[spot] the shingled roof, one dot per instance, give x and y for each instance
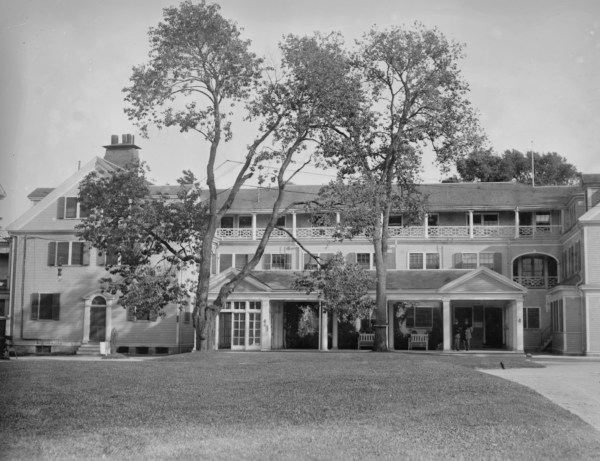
(451, 196)
(396, 280)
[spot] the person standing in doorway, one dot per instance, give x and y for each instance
(456, 330)
(467, 333)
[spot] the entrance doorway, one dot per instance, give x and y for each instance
(300, 325)
(493, 327)
(98, 320)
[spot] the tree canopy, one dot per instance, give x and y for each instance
(200, 71)
(485, 165)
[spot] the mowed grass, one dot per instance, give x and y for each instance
(288, 405)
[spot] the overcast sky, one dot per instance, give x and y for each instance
(533, 67)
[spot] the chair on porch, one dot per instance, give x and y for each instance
(417, 340)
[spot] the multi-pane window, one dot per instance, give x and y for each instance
(277, 261)
(469, 260)
(531, 317)
(419, 317)
(364, 260)
(532, 267)
(65, 253)
(423, 261)
(73, 209)
(254, 329)
(415, 261)
(542, 219)
(45, 306)
(572, 260)
(486, 260)
(239, 329)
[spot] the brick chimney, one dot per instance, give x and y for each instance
(124, 153)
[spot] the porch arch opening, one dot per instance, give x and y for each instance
(535, 270)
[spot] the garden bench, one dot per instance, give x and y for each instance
(418, 341)
(366, 339)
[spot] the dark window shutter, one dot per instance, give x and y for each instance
(267, 261)
(391, 260)
(35, 303)
(100, 257)
(186, 317)
(410, 317)
(498, 262)
(351, 258)
(86, 254)
(288, 261)
(51, 253)
(56, 306)
(153, 315)
(225, 262)
(457, 261)
(130, 314)
(60, 208)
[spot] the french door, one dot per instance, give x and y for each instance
(240, 326)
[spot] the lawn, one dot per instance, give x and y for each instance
(288, 405)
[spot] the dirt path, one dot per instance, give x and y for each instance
(574, 385)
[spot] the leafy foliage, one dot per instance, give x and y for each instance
(551, 169)
(341, 287)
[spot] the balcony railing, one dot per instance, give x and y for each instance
(402, 232)
(544, 282)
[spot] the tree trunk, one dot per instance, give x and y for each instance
(380, 342)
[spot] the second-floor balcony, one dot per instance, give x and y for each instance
(403, 232)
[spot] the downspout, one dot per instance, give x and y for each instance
(13, 283)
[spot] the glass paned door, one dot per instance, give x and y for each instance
(239, 329)
(253, 329)
(224, 330)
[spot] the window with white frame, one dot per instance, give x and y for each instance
(281, 261)
(419, 317)
(542, 218)
(109, 257)
(469, 260)
(423, 261)
(245, 325)
(70, 208)
(531, 317)
(364, 260)
(67, 254)
(486, 260)
(475, 260)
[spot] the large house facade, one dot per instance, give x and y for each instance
(519, 264)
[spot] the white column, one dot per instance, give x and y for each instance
(334, 332)
(446, 314)
(217, 333)
(471, 224)
(108, 333)
(516, 223)
(391, 326)
(265, 318)
(426, 226)
(357, 324)
(518, 325)
(323, 329)
(337, 218)
(294, 223)
(86, 321)
(253, 226)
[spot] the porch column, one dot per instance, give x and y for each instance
(516, 223)
(217, 333)
(390, 326)
(334, 332)
(426, 226)
(323, 329)
(447, 324)
(108, 333)
(253, 226)
(517, 332)
(357, 324)
(337, 218)
(294, 223)
(86, 321)
(470, 224)
(265, 331)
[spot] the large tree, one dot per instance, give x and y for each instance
(199, 71)
(485, 165)
(417, 101)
